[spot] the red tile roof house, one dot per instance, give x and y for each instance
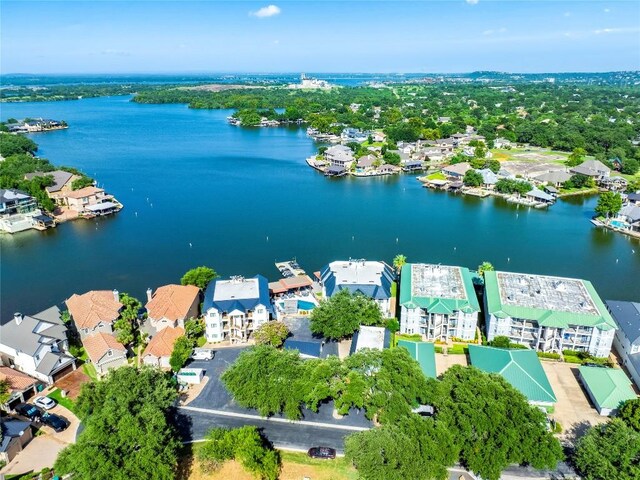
(21, 385)
(171, 305)
(94, 314)
(159, 349)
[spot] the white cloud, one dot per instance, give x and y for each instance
(606, 10)
(472, 2)
(617, 30)
(264, 12)
(488, 32)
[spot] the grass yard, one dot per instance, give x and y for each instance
(295, 466)
(64, 401)
(90, 371)
(437, 176)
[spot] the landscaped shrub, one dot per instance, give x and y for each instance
(554, 356)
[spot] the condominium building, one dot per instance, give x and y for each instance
(234, 308)
(438, 302)
(548, 314)
(371, 279)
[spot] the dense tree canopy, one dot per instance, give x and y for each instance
(609, 204)
(342, 314)
(629, 413)
(610, 451)
(493, 424)
(127, 435)
(14, 144)
(473, 179)
(182, 350)
(126, 326)
(199, 276)
(271, 333)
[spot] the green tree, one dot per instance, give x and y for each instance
(414, 448)
(630, 166)
(342, 314)
(126, 433)
(492, 422)
(271, 333)
(494, 165)
(485, 267)
(12, 144)
(480, 150)
(609, 451)
(194, 328)
(500, 342)
(5, 392)
(399, 261)
(126, 326)
(199, 276)
(629, 413)
(473, 179)
(576, 157)
(182, 349)
(81, 182)
(609, 204)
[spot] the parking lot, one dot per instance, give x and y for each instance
(215, 407)
(573, 409)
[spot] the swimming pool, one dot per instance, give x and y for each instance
(619, 224)
(303, 305)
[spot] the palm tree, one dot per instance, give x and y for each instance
(485, 267)
(399, 262)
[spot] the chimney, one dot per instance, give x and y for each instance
(18, 318)
(149, 294)
(116, 295)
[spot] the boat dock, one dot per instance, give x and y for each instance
(290, 268)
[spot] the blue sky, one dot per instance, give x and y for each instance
(328, 36)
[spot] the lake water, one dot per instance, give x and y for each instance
(198, 191)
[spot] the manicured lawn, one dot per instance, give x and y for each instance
(65, 402)
(437, 176)
(90, 371)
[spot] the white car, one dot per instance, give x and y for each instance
(45, 402)
(202, 354)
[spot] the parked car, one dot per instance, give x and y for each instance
(202, 354)
(322, 452)
(45, 402)
(54, 421)
(29, 411)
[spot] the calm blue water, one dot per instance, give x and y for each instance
(198, 191)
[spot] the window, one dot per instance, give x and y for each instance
(110, 352)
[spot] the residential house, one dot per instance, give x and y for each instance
(446, 145)
(555, 178)
(14, 435)
(443, 119)
(627, 337)
(21, 386)
(379, 136)
(171, 305)
(62, 182)
(339, 156)
(607, 388)
(521, 368)
(634, 198)
(502, 143)
(592, 168)
(369, 278)
(105, 352)
(629, 217)
(94, 311)
(90, 201)
(457, 170)
(159, 349)
(234, 308)
(547, 314)
(489, 179)
(37, 345)
(375, 338)
(438, 302)
(367, 162)
(18, 211)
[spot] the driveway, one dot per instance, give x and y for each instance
(215, 407)
(573, 409)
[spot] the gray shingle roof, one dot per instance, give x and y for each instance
(22, 337)
(627, 316)
(60, 178)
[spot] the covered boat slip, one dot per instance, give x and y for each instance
(103, 208)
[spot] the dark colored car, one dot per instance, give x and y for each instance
(322, 452)
(30, 411)
(54, 421)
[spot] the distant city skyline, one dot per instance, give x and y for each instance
(454, 36)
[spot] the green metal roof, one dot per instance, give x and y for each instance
(546, 317)
(521, 368)
(608, 386)
(469, 304)
(424, 353)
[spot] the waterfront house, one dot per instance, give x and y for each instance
(547, 314)
(592, 168)
(457, 170)
(521, 368)
(14, 436)
(555, 178)
(634, 198)
(628, 218)
(94, 311)
(62, 182)
(290, 285)
(17, 211)
(159, 349)
(234, 308)
(607, 388)
(21, 386)
(369, 278)
(375, 338)
(37, 345)
(388, 169)
(489, 179)
(438, 302)
(339, 156)
(104, 351)
(90, 201)
(367, 162)
(627, 337)
(171, 305)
